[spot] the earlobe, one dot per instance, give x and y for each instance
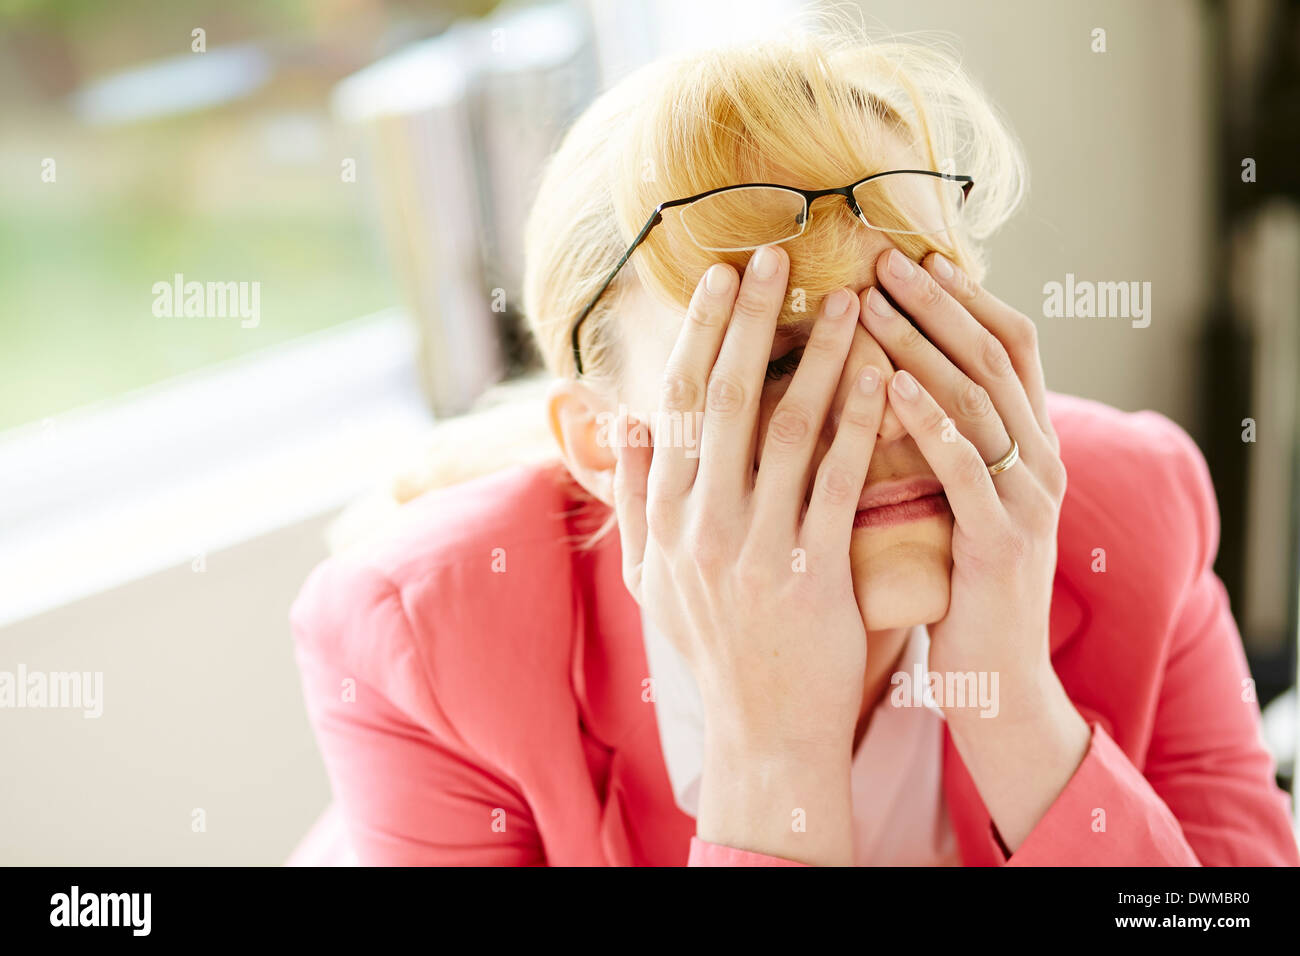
(582, 423)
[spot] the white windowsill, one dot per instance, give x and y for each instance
(111, 493)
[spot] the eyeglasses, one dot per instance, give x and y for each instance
(912, 202)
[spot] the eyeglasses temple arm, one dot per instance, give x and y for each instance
(577, 326)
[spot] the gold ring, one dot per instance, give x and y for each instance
(1007, 460)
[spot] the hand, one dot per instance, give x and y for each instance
(968, 380)
(755, 591)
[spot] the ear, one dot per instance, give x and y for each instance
(581, 420)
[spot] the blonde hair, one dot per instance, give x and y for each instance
(816, 110)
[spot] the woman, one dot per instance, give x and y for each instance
(808, 584)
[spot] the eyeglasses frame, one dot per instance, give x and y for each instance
(809, 195)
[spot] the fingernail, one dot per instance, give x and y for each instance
(718, 279)
(899, 265)
(876, 302)
(837, 303)
(943, 267)
(904, 385)
(868, 380)
(764, 263)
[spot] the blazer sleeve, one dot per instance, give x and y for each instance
(1206, 793)
(410, 791)
(704, 853)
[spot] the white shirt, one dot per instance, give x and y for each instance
(899, 813)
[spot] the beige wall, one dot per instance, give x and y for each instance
(1118, 151)
(202, 709)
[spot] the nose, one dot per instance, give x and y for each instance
(864, 351)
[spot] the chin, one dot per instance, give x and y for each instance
(902, 579)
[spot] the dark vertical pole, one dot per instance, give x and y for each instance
(1226, 347)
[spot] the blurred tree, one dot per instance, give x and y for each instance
(57, 45)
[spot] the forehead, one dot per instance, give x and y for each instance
(649, 327)
(796, 324)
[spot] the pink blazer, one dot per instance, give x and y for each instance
(476, 682)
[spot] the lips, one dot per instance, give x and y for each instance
(896, 502)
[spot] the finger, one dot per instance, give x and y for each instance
(973, 348)
(1014, 330)
(967, 402)
(957, 464)
(726, 453)
(796, 423)
(673, 466)
(631, 473)
(842, 473)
